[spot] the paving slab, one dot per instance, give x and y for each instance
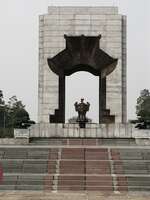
(31, 195)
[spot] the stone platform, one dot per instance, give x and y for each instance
(19, 195)
(47, 130)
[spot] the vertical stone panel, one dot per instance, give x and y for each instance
(124, 69)
(114, 80)
(41, 74)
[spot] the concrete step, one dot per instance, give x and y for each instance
(83, 141)
(74, 183)
(29, 187)
(47, 141)
(75, 168)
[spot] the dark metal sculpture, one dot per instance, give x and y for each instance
(82, 109)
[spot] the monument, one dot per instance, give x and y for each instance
(91, 39)
(111, 156)
(72, 39)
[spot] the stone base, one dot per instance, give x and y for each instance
(46, 130)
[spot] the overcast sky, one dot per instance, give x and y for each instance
(19, 48)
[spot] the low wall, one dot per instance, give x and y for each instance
(13, 141)
(91, 131)
(21, 133)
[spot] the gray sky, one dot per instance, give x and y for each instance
(19, 48)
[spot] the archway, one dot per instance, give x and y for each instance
(82, 53)
(78, 85)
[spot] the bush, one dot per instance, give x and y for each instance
(6, 132)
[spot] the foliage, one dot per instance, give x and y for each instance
(13, 114)
(1, 98)
(2, 108)
(6, 132)
(16, 113)
(133, 121)
(143, 106)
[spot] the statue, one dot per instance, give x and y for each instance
(82, 108)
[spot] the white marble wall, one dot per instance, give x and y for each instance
(116, 130)
(90, 21)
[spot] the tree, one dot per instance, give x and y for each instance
(1, 98)
(143, 106)
(13, 114)
(17, 114)
(2, 110)
(14, 103)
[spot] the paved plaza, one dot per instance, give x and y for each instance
(29, 195)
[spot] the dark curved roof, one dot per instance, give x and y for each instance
(82, 53)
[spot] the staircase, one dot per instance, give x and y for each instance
(76, 165)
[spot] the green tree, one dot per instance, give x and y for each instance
(1, 98)
(143, 106)
(2, 110)
(13, 114)
(18, 117)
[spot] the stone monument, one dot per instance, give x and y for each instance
(107, 157)
(91, 39)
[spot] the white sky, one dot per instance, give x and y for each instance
(19, 47)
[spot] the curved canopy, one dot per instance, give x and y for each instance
(82, 53)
